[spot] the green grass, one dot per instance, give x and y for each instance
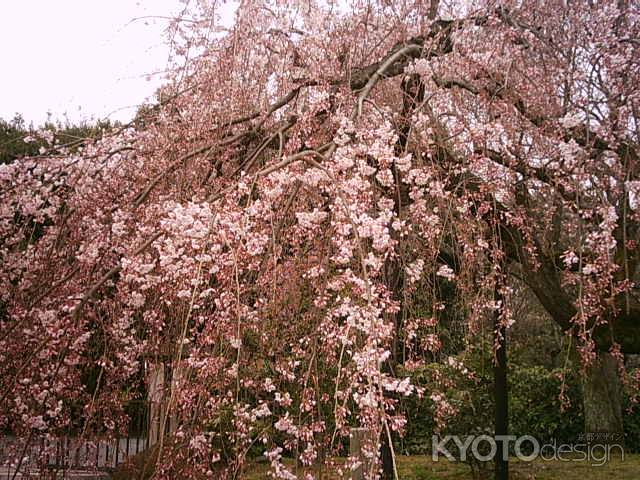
(423, 468)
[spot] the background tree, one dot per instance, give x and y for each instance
(18, 140)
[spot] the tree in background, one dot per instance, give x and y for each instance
(313, 176)
(12, 144)
(18, 140)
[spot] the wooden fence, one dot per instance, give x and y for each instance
(67, 454)
(44, 456)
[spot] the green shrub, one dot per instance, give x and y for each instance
(535, 407)
(534, 404)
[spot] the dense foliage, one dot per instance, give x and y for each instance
(19, 140)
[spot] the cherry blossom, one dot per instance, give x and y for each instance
(306, 178)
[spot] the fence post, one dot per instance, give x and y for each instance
(361, 439)
(176, 384)
(156, 397)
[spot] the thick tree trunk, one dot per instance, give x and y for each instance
(602, 386)
(603, 398)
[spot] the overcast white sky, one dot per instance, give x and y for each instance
(85, 59)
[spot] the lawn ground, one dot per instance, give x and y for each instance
(424, 468)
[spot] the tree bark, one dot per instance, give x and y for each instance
(602, 384)
(603, 398)
(386, 457)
